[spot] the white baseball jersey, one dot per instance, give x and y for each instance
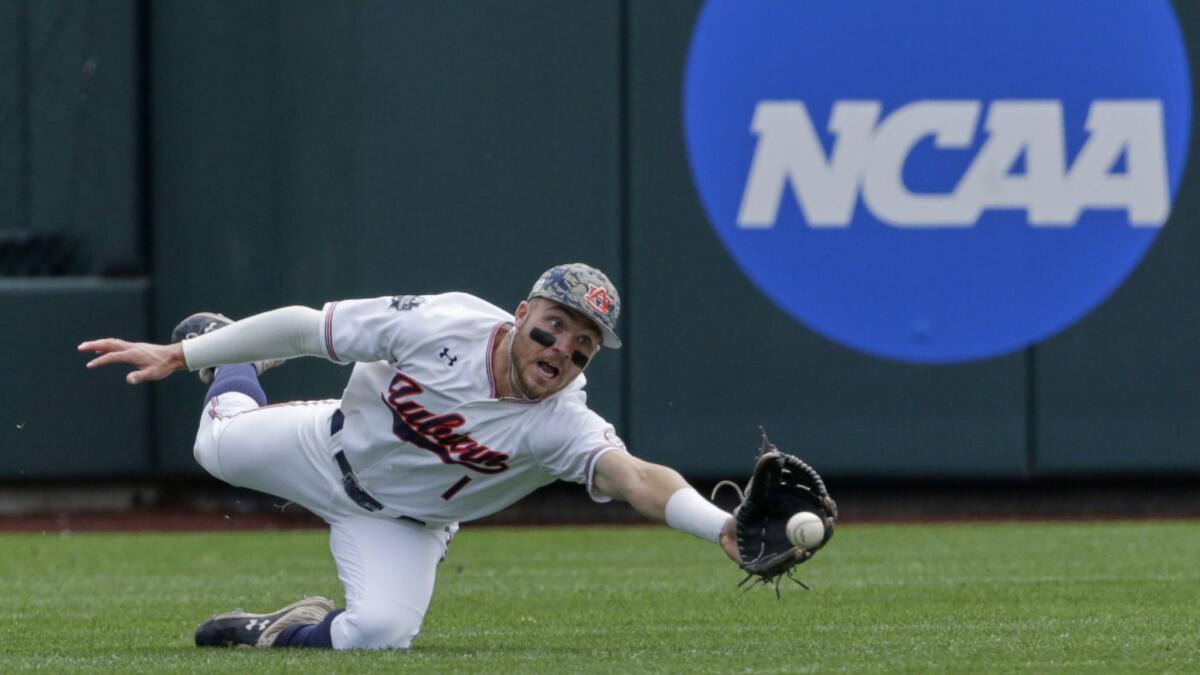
(424, 430)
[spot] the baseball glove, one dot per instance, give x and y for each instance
(782, 485)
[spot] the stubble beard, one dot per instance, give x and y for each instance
(514, 372)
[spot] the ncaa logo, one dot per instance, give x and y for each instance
(938, 181)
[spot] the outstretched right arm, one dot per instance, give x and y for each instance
(281, 333)
(150, 362)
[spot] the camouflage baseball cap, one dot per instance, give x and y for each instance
(586, 290)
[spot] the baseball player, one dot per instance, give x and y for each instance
(454, 410)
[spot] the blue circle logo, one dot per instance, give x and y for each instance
(937, 182)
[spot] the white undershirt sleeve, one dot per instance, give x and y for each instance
(278, 334)
(688, 512)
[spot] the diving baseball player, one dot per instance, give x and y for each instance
(454, 410)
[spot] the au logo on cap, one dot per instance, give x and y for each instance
(599, 299)
(937, 190)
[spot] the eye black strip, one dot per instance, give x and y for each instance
(541, 337)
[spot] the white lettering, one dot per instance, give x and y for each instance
(1135, 129)
(789, 151)
(1015, 128)
(868, 156)
(952, 125)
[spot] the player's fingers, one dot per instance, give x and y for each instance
(103, 345)
(93, 345)
(111, 357)
(146, 374)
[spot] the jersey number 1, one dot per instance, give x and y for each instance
(462, 482)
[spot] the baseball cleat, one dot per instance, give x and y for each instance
(242, 629)
(203, 323)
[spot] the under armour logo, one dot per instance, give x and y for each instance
(258, 624)
(446, 355)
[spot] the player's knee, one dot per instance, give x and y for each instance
(381, 626)
(205, 452)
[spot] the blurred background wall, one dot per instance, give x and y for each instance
(160, 158)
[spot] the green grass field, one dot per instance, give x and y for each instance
(1024, 597)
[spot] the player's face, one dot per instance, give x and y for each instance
(544, 370)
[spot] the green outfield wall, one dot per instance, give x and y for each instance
(236, 157)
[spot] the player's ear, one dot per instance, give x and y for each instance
(522, 312)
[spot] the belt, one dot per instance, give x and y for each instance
(349, 483)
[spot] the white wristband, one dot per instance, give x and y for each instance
(688, 512)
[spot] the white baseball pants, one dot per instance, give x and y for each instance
(387, 566)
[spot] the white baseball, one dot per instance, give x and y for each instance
(805, 529)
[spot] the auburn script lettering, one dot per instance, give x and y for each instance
(415, 424)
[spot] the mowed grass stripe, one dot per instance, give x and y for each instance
(998, 597)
